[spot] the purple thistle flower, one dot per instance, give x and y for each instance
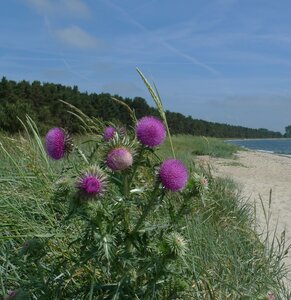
(109, 133)
(11, 294)
(91, 185)
(57, 143)
(173, 175)
(119, 159)
(92, 182)
(271, 296)
(150, 131)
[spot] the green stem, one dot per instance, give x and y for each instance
(149, 207)
(135, 166)
(160, 269)
(180, 212)
(2, 285)
(92, 285)
(127, 228)
(82, 155)
(126, 186)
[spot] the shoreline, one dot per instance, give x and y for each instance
(257, 173)
(262, 147)
(256, 139)
(270, 152)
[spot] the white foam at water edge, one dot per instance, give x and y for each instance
(266, 151)
(272, 152)
(285, 155)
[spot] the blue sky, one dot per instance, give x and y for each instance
(220, 60)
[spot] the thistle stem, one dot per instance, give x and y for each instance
(92, 285)
(82, 155)
(149, 207)
(125, 186)
(136, 165)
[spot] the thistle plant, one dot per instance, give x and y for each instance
(115, 221)
(125, 243)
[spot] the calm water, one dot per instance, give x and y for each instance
(280, 146)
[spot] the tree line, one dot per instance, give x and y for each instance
(41, 102)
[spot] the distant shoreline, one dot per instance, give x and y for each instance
(255, 139)
(279, 146)
(269, 152)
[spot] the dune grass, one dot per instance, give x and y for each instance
(224, 259)
(188, 146)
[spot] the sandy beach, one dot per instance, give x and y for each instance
(256, 173)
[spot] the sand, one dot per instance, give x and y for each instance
(256, 174)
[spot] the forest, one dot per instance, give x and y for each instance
(41, 101)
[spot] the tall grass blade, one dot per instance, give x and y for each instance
(38, 140)
(131, 112)
(156, 97)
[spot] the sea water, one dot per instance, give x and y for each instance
(278, 146)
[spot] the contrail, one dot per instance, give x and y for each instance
(173, 49)
(66, 63)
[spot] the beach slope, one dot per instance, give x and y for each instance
(256, 174)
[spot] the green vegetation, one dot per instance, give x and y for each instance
(287, 131)
(234, 164)
(41, 102)
(138, 240)
(223, 259)
(187, 147)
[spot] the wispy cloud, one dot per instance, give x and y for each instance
(161, 41)
(76, 37)
(183, 45)
(76, 8)
(40, 5)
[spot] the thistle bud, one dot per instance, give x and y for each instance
(119, 159)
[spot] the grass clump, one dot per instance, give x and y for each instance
(189, 146)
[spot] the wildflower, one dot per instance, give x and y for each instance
(119, 159)
(92, 182)
(173, 175)
(175, 244)
(150, 131)
(11, 295)
(271, 296)
(58, 143)
(204, 182)
(109, 133)
(200, 183)
(16, 294)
